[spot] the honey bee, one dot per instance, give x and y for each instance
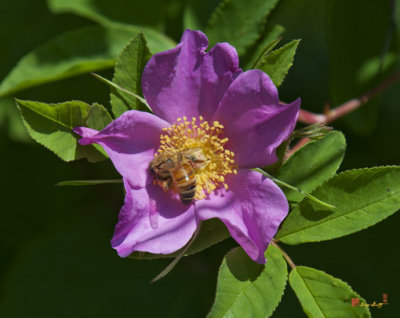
(177, 171)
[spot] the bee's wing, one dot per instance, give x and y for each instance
(195, 155)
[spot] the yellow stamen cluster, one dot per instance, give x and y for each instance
(199, 134)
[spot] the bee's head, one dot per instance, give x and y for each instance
(162, 164)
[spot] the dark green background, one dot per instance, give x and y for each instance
(56, 259)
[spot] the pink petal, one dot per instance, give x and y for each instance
(131, 141)
(254, 120)
(186, 80)
(252, 209)
(152, 221)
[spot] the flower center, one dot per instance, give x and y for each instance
(194, 149)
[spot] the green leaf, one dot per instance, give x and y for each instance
(98, 117)
(277, 63)
(128, 74)
(362, 198)
(267, 44)
(239, 22)
(197, 12)
(212, 232)
(312, 164)
(72, 53)
(76, 183)
(51, 125)
(11, 121)
(121, 14)
(280, 154)
(121, 89)
(284, 184)
(148, 12)
(249, 289)
(323, 296)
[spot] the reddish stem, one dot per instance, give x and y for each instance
(298, 145)
(285, 255)
(331, 115)
(310, 118)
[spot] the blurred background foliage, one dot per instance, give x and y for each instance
(56, 257)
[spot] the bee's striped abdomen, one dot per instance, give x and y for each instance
(186, 183)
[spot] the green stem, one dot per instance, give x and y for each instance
(277, 181)
(178, 258)
(108, 82)
(86, 182)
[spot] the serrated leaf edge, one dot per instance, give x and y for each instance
(18, 101)
(321, 185)
(294, 43)
(27, 127)
(223, 265)
(343, 283)
(219, 9)
(118, 64)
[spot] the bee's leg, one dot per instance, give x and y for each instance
(205, 163)
(167, 184)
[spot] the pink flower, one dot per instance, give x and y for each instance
(233, 117)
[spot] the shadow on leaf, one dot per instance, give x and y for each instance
(241, 266)
(313, 212)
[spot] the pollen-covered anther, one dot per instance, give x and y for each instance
(202, 145)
